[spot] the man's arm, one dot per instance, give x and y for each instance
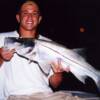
(56, 79)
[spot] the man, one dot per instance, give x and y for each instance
(18, 77)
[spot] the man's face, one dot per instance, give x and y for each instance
(29, 16)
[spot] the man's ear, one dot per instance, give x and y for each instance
(17, 17)
(40, 18)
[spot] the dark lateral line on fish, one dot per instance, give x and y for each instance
(62, 55)
(33, 62)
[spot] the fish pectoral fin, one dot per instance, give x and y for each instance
(80, 77)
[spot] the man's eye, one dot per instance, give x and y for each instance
(32, 14)
(35, 14)
(24, 13)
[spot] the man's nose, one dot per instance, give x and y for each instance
(30, 16)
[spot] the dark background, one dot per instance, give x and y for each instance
(62, 20)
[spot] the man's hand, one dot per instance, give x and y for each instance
(7, 54)
(56, 79)
(58, 68)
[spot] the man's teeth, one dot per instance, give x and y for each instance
(29, 22)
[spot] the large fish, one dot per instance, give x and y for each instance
(50, 51)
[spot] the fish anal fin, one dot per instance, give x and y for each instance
(80, 77)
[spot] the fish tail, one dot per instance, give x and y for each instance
(98, 85)
(98, 82)
(96, 79)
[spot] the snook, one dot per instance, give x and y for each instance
(49, 51)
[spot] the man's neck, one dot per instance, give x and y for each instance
(27, 34)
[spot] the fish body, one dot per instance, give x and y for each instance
(77, 65)
(50, 51)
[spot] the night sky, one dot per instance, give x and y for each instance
(62, 20)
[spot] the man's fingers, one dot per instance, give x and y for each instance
(7, 54)
(59, 62)
(57, 66)
(67, 69)
(12, 51)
